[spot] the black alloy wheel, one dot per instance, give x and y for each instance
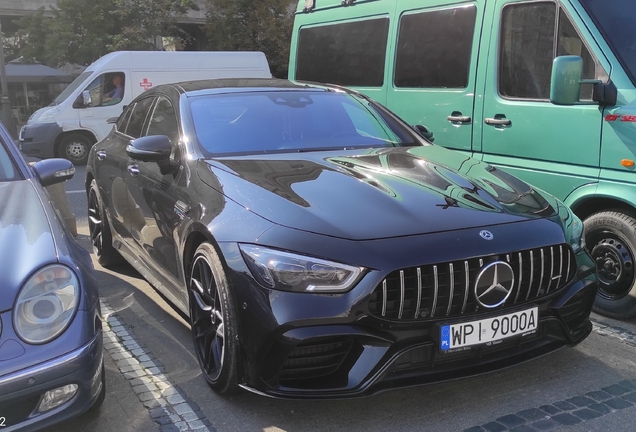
(75, 147)
(610, 237)
(212, 320)
(99, 230)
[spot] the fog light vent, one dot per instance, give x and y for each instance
(57, 397)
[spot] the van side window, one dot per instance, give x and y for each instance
(527, 49)
(434, 48)
(164, 121)
(350, 54)
(138, 117)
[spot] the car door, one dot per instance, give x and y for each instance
(553, 147)
(110, 171)
(157, 198)
(433, 79)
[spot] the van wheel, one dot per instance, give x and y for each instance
(611, 240)
(75, 147)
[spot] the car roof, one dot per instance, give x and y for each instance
(240, 85)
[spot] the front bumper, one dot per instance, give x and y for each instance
(38, 139)
(22, 391)
(297, 345)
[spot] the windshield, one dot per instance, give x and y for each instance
(71, 88)
(292, 121)
(616, 19)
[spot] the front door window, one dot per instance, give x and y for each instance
(107, 89)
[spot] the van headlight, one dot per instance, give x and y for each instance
(290, 272)
(46, 304)
(48, 115)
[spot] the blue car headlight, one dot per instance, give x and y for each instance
(46, 304)
(291, 272)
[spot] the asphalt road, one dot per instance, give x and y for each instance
(591, 387)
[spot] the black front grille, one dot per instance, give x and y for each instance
(447, 289)
(319, 357)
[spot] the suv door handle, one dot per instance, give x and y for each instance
(457, 117)
(498, 121)
(133, 170)
(101, 155)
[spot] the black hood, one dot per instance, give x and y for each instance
(378, 193)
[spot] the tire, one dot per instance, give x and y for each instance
(99, 230)
(610, 237)
(213, 320)
(75, 147)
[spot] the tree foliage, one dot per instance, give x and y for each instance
(81, 31)
(252, 25)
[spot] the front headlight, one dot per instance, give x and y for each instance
(46, 304)
(574, 231)
(290, 272)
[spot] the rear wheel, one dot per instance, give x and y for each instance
(99, 229)
(75, 147)
(213, 320)
(611, 240)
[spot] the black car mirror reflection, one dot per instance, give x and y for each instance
(153, 148)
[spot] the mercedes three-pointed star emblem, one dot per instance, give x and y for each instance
(494, 284)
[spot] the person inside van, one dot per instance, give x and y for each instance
(116, 94)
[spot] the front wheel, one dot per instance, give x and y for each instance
(611, 240)
(213, 320)
(99, 229)
(75, 147)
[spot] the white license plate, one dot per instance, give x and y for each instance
(489, 330)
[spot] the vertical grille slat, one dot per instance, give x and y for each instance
(384, 297)
(401, 294)
(419, 292)
(434, 290)
(452, 288)
(467, 287)
(531, 274)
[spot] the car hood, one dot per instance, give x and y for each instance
(375, 193)
(26, 242)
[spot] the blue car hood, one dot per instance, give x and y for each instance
(375, 193)
(26, 242)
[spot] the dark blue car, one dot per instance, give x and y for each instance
(51, 361)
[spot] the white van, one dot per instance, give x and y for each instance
(77, 118)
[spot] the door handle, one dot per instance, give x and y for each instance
(499, 120)
(133, 170)
(101, 155)
(457, 117)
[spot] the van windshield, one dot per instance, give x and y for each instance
(71, 88)
(616, 20)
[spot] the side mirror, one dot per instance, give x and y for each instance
(86, 96)
(424, 132)
(565, 83)
(153, 148)
(52, 171)
(112, 120)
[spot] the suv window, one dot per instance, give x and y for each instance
(351, 54)
(122, 121)
(138, 117)
(107, 89)
(434, 48)
(164, 121)
(527, 49)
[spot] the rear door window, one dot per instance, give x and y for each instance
(434, 48)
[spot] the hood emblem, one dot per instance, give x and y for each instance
(486, 235)
(494, 284)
